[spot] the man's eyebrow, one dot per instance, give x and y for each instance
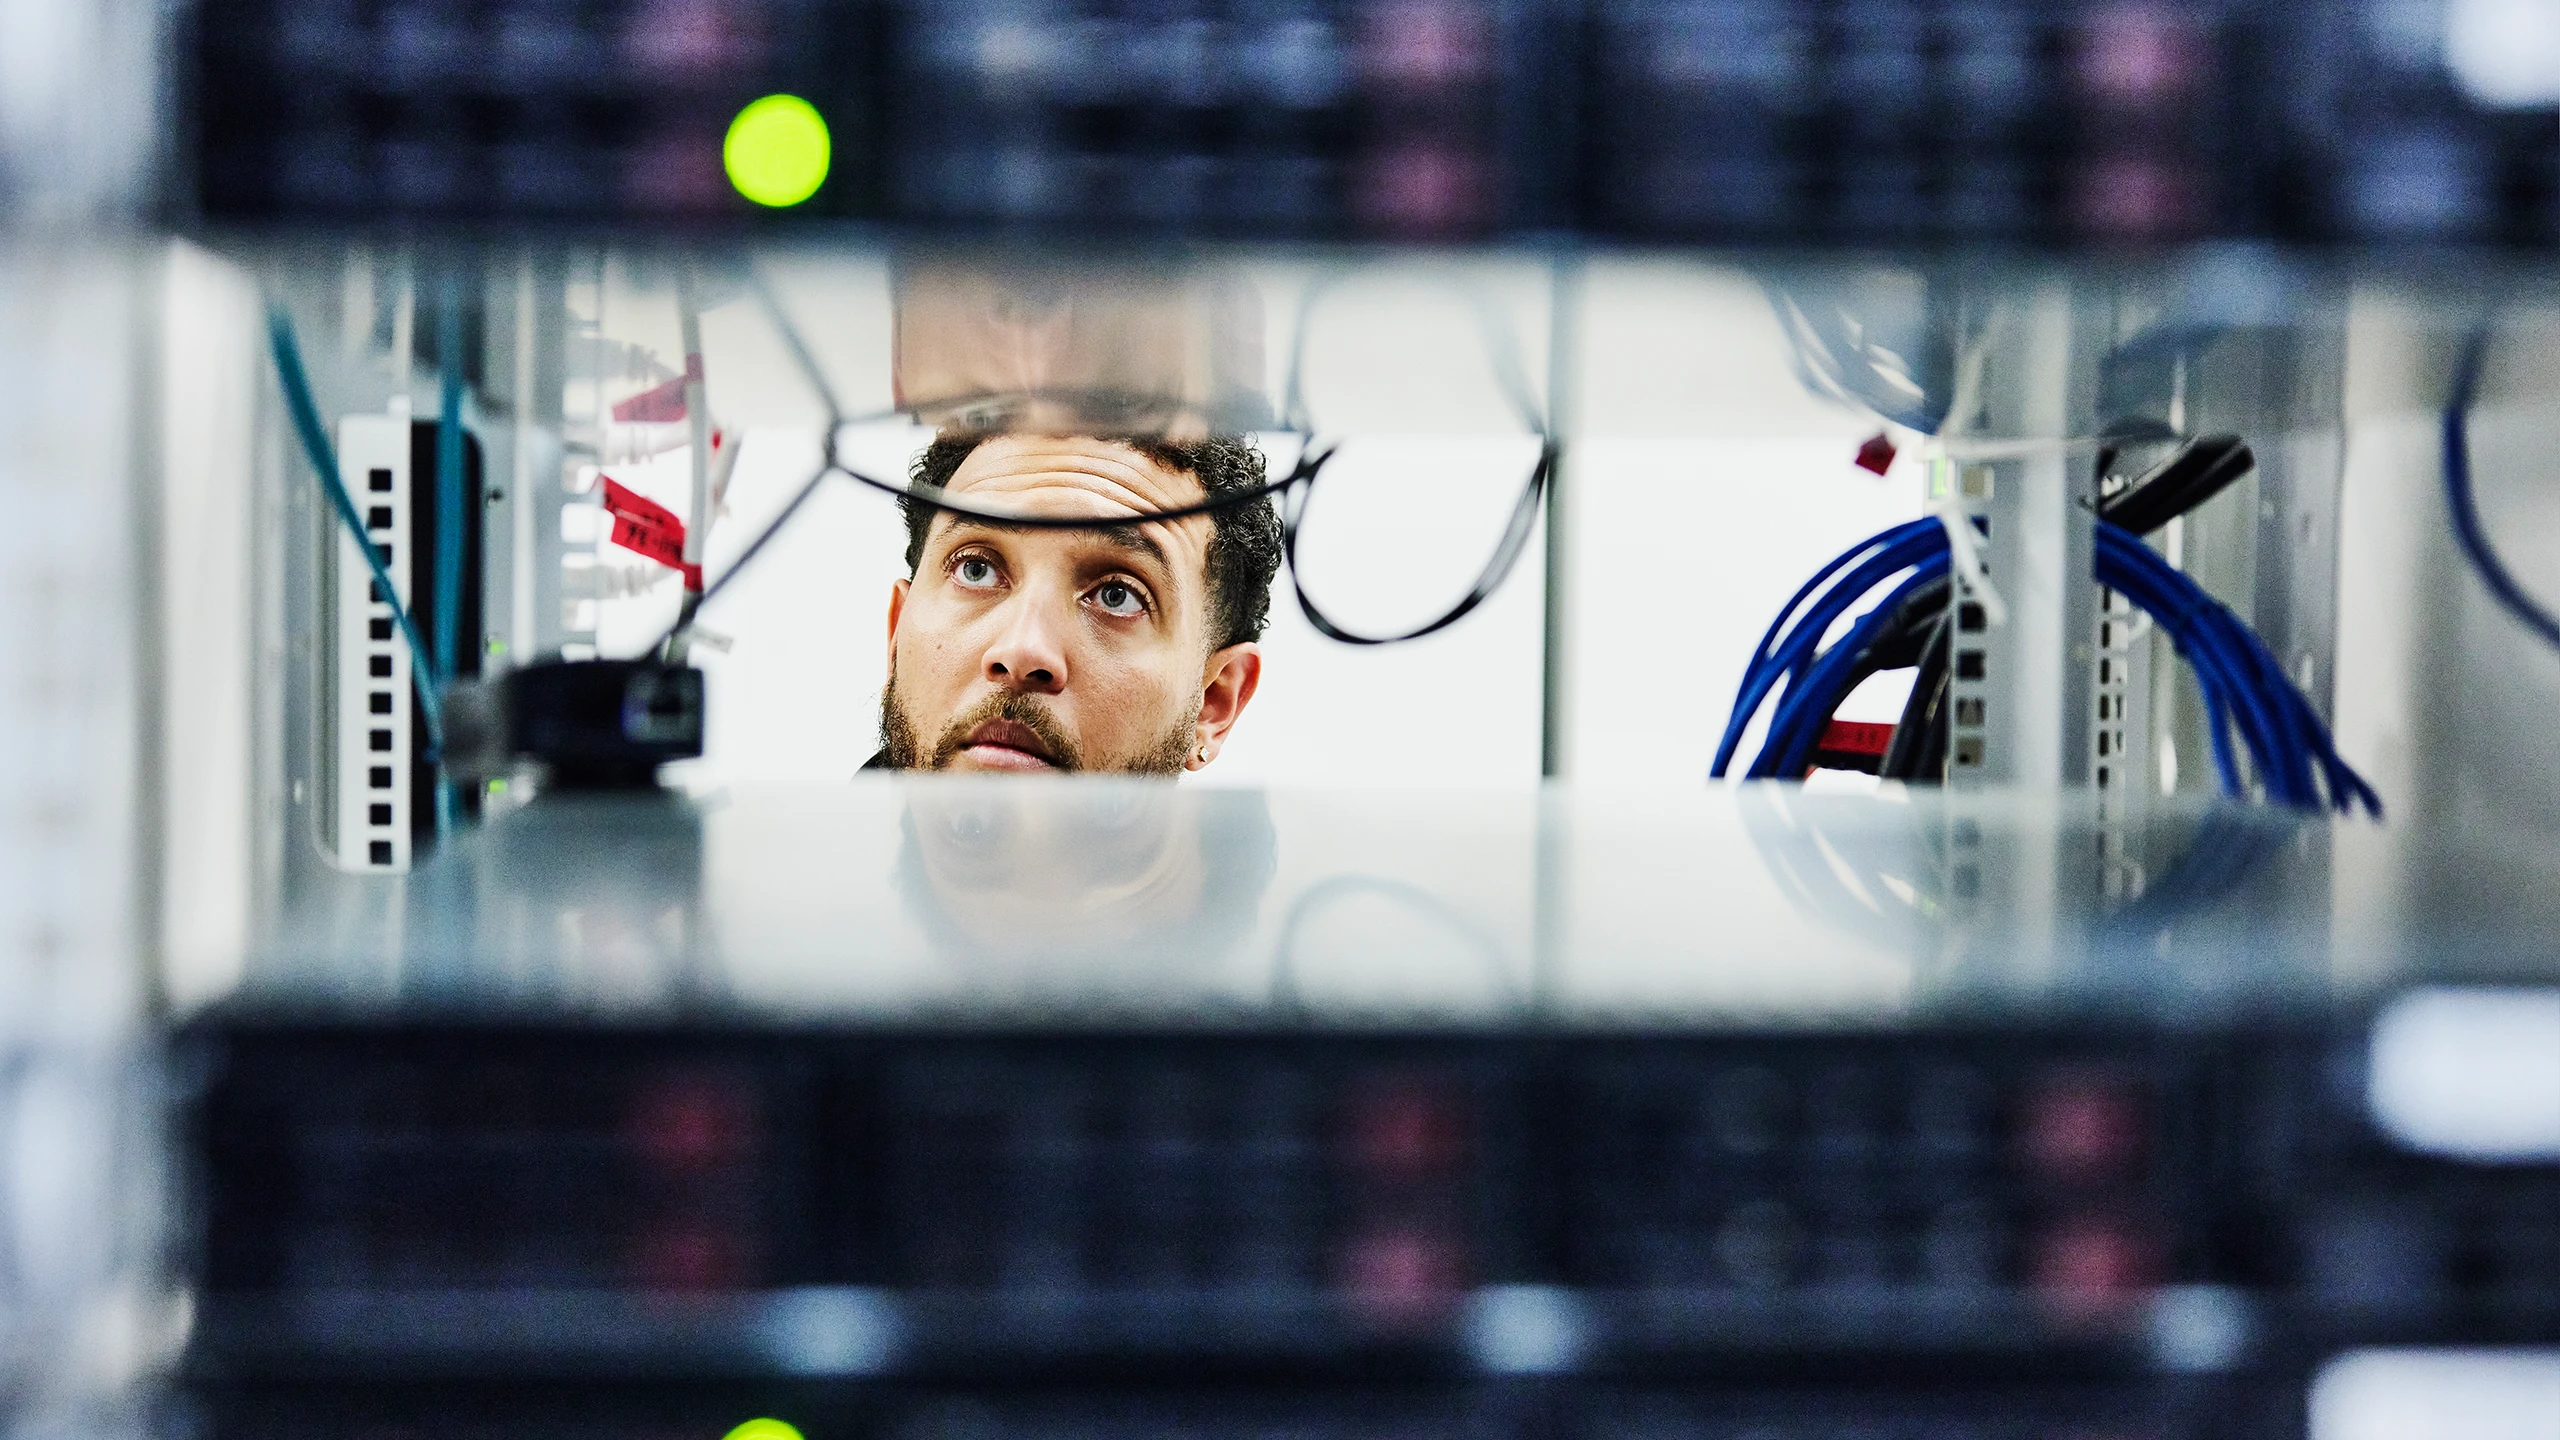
(1128, 537)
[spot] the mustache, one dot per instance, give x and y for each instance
(1024, 710)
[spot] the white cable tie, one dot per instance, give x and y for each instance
(697, 415)
(725, 444)
(629, 442)
(1964, 550)
(611, 582)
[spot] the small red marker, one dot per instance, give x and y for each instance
(1876, 454)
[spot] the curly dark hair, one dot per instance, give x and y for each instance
(1244, 545)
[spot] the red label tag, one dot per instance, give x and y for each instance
(660, 404)
(644, 525)
(1855, 737)
(656, 406)
(1877, 453)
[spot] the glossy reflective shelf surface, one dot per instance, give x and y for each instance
(1104, 902)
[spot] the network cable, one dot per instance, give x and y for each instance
(450, 501)
(1787, 650)
(2468, 532)
(314, 436)
(2195, 472)
(2245, 688)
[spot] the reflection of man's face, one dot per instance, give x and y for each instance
(1031, 650)
(1082, 874)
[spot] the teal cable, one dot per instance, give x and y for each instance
(449, 496)
(324, 462)
(449, 502)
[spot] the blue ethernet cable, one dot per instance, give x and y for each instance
(2468, 532)
(1868, 563)
(2245, 683)
(2203, 651)
(2203, 633)
(1796, 730)
(2244, 686)
(1777, 627)
(1787, 651)
(1796, 657)
(2244, 680)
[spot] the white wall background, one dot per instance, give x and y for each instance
(1683, 550)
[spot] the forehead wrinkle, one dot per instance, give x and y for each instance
(1104, 470)
(1126, 536)
(1122, 480)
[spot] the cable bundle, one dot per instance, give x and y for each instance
(2242, 683)
(2245, 688)
(1787, 652)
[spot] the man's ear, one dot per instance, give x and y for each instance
(1231, 677)
(897, 607)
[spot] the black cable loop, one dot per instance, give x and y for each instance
(1504, 348)
(1292, 491)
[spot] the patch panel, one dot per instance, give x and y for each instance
(385, 799)
(1974, 698)
(375, 742)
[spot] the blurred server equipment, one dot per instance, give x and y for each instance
(2001, 1212)
(1726, 121)
(2028, 1164)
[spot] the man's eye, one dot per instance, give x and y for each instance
(1119, 597)
(974, 570)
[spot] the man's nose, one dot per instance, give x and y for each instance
(1030, 654)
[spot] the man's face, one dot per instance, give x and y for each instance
(1035, 650)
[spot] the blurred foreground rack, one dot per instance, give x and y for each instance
(1720, 121)
(1028, 1195)
(443, 1201)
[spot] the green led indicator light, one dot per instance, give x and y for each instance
(777, 154)
(764, 1429)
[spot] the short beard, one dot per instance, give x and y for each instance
(901, 750)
